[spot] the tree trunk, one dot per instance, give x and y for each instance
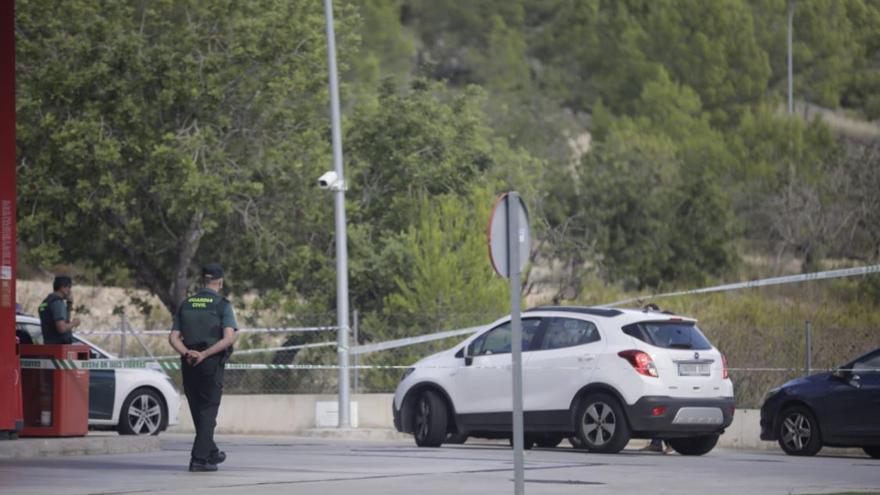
(151, 276)
(187, 246)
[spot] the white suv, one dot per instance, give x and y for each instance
(599, 375)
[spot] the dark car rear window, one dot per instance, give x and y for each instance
(669, 335)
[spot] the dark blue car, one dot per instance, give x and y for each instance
(837, 409)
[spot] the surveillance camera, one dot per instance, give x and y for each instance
(328, 180)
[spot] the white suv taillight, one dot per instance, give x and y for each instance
(724, 372)
(641, 361)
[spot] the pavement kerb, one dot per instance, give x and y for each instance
(376, 434)
(110, 444)
(87, 445)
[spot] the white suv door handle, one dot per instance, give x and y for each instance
(586, 358)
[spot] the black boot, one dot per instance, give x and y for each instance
(217, 457)
(197, 466)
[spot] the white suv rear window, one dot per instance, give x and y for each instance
(669, 334)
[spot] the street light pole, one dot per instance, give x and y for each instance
(341, 240)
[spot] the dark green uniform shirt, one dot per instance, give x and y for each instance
(202, 318)
(52, 310)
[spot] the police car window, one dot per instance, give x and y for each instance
(497, 340)
(568, 332)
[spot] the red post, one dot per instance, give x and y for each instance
(10, 373)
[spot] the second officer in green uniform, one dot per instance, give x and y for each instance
(203, 333)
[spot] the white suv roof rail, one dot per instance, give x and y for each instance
(587, 310)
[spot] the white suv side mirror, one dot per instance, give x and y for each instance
(465, 353)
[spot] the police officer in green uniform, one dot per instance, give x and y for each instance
(203, 334)
(55, 322)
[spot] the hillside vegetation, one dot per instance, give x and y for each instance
(645, 136)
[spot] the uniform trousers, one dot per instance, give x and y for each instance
(203, 386)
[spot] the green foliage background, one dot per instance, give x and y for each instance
(154, 136)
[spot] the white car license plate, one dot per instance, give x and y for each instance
(693, 369)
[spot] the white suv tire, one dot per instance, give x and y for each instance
(601, 424)
(429, 420)
(699, 445)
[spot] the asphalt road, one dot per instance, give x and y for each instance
(264, 465)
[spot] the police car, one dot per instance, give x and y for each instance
(132, 401)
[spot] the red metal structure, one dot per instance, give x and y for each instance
(56, 401)
(10, 373)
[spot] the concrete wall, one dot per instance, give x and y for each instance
(745, 432)
(293, 414)
(259, 414)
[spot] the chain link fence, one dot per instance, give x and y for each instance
(313, 342)
(759, 358)
(762, 358)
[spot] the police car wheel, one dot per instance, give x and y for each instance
(143, 413)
